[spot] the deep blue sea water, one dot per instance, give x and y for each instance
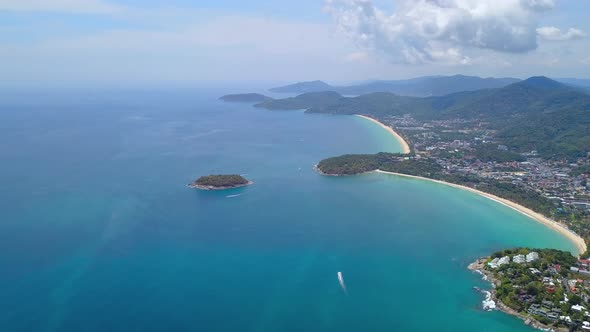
(98, 231)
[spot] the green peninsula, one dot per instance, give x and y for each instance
(220, 182)
(549, 289)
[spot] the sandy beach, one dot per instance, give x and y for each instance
(575, 238)
(404, 145)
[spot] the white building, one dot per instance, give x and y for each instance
(503, 260)
(497, 262)
(532, 256)
(578, 307)
(518, 259)
(494, 263)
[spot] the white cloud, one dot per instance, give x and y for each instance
(555, 34)
(538, 5)
(356, 57)
(441, 31)
(66, 6)
(222, 47)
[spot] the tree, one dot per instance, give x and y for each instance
(575, 299)
(532, 289)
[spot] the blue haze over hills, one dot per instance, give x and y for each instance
(418, 87)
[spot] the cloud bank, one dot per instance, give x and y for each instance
(446, 31)
(555, 34)
(65, 6)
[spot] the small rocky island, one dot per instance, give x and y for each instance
(220, 182)
(547, 288)
(245, 98)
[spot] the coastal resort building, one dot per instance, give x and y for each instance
(532, 256)
(519, 259)
(497, 262)
(577, 307)
(503, 260)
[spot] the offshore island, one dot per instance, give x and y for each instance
(220, 182)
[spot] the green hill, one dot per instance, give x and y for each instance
(303, 87)
(302, 102)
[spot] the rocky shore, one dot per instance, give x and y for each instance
(479, 267)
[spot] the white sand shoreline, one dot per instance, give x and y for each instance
(570, 235)
(402, 142)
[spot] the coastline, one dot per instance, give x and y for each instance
(402, 142)
(573, 237)
(479, 267)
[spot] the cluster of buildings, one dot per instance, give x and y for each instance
(519, 259)
(547, 309)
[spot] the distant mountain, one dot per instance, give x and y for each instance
(584, 83)
(534, 95)
(303, 101)
(556, 122)
(303, 87)
(418, 87)
(245, 98)
(541, 82)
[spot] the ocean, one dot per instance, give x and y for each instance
(98, 231)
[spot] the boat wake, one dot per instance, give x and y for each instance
(232, 196)
(342, 284)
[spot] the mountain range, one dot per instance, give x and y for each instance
(534, 114)
(418, 87)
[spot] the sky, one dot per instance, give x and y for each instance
(141, 41)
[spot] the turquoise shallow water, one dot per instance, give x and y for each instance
(99, 233)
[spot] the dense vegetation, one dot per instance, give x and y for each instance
(390, 162)
(491, 153)
(221, 181)
(351, 164)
